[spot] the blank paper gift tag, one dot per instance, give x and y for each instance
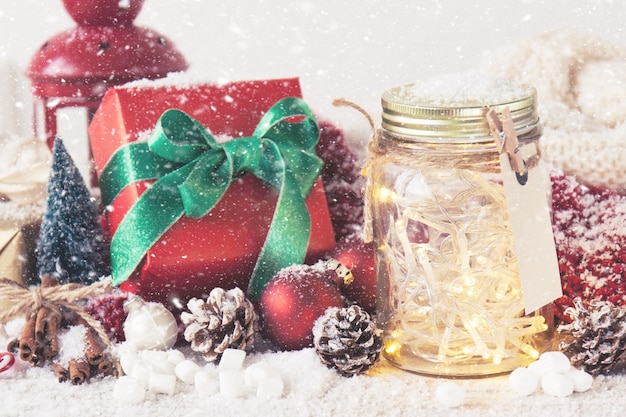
(526, 186)
(529, 216)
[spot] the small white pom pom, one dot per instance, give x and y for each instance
(582, 380)
(450, 394)
(554, 362)
(557, 385)
(524, 381)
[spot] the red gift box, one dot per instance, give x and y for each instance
(221, 248)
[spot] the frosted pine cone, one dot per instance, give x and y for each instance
(346, 339)
(225, 320)
(598, 336)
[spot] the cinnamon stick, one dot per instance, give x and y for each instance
(52, 330)
(40, 323)
(94, 348)
(60, 372)
(28, 342)
(46, 330)
(38, 359)
(14, 346)
(79, 371)
(105, 367)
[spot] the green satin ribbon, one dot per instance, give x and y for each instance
(193, 172)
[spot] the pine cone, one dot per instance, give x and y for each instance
(598, 336)
(225, 320)
(346, 339)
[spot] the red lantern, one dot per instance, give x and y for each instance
(75, 67)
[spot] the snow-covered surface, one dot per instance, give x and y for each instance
(310, 390)
(459, 90)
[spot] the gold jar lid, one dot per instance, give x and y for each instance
(453, 108)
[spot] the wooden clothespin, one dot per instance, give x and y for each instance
(503, 133)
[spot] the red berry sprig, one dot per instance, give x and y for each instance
(590, 241)
(108, 309)
(342, 180)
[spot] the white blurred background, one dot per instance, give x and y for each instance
(351, 49)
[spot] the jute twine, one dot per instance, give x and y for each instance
(25, 300)
(372, 146)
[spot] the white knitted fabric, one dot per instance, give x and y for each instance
(581, 86)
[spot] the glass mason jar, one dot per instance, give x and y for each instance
(449, 293)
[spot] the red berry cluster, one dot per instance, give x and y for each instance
(108, 309)
(590, 241)
(342, 180)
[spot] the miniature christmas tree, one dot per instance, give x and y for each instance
(72, 246)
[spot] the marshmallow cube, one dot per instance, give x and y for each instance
(127, 361)
(165, 368)
(141, 372)
(157, 361)
(128, 390)
(186, 371)
(162, 384)
(232, 359)
(175, 356)
(153, 355)
(270, 387)
(206, 383)
(231, 382)
(265, 379)
(255, 373)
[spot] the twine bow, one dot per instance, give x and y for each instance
(25, 301)
(193, 172)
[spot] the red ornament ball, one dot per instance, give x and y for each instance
(292, 301)
(360, 258)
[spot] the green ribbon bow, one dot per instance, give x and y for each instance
(193, 172)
